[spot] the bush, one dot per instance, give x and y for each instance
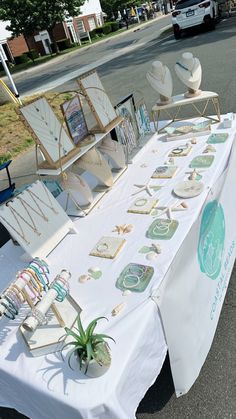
(22, 58)
(64, 44)
(93, 34)
(106, 28)
(32, 54)
(114, 26)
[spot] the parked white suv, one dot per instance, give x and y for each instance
(189, 13)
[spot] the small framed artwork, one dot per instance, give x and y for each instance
(165, 172)
(135, 277)
(75, 120)
(127, 110)
(108, 247)
(142, 118)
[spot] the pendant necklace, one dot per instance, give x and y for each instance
(185, 68)
(24, 204)
(32, 226)
(33, 195)
(21, 233)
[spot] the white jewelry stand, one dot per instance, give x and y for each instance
(114, 151)
(36, 221)
(161, 81)
(95, 163)
(189, 71)
(207, 103)
(77, 189)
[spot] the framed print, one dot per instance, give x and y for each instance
(143, 120)
(126, 109)
(75, 120)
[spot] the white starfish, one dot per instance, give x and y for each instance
(145, 188)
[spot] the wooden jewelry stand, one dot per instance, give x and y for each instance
(173, 109)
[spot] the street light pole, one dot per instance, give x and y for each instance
(2, 59)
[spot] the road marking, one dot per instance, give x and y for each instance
(172, 41)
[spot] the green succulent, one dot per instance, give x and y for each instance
(88, 345)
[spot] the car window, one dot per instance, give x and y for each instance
(181, 4)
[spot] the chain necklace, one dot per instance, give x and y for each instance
(24, 204)
(33, 195)
(32, 226)
(43, 119)
(21, 233)
(185, 68)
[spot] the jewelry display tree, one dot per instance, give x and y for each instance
(52, 308)
(36, 220)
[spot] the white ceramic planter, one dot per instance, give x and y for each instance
(94, 369)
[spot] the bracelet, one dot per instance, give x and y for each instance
(41, 263)
(11, 304)
(20, 292)
(10, 316)
(33, 281)
(37, 279)
(12, 294)
(61, 291)
(28, 285)
(40, 275)
(128, 277)
(39, 316)
(140, 202)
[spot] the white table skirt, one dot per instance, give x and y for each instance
(45, 387)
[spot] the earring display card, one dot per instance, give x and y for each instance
(108, 247)
(181, 151)
(162, 229)
(135, 277)
(217, 138)
(201, 162)
(165, 172)
(143, 205)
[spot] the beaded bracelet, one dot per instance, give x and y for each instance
(20, 292)
(39, 276)
(39, 316)
(38, 266)
(17, 302)
(61, 291)
(12, 315)
(11, 304)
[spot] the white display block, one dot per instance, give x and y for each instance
(51, 337)
(182, 100)
(36, 220)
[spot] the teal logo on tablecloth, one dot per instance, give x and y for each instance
(211, 239)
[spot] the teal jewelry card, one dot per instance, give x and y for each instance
(202, 162)
(162, 229)
(135, 277)
(217, 138)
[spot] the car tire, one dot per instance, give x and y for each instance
(177, 34)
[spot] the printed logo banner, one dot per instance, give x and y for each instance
(192, 294)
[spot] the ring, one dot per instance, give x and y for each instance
(131, 277)
(102, 247)
(140, 202)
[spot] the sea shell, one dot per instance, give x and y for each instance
(125, 293)
(211, 148)
(118, 309)
(151, 256)
(94, 270)
(128, 228)
(184, 204)
(156, 247)
(194, 141)
(84, 278)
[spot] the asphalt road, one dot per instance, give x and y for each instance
(213, 395)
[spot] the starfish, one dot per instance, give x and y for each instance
(145, 188)
(123, 228)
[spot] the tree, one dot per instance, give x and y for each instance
(29, 16)
(111, 7)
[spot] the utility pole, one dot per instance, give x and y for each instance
(3, 61)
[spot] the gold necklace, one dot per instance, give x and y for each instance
(14, 211)
(24, 204)
(22, 235)
(33, 194)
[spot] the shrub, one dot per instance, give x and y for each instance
(93, 34)
(114, 26)
(32, 54)
(64, 44)
(22, 58)
(106, 28)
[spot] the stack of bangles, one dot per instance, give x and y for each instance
(61, 286)
(35, 281)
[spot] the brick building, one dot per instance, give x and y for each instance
(90, 17)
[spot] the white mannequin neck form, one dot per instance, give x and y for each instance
(189, 71)
(161, 81)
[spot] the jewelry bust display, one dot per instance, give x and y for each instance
(114, 151)
(189, 71)
(160, 79)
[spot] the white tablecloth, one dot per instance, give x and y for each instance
(45, 387)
